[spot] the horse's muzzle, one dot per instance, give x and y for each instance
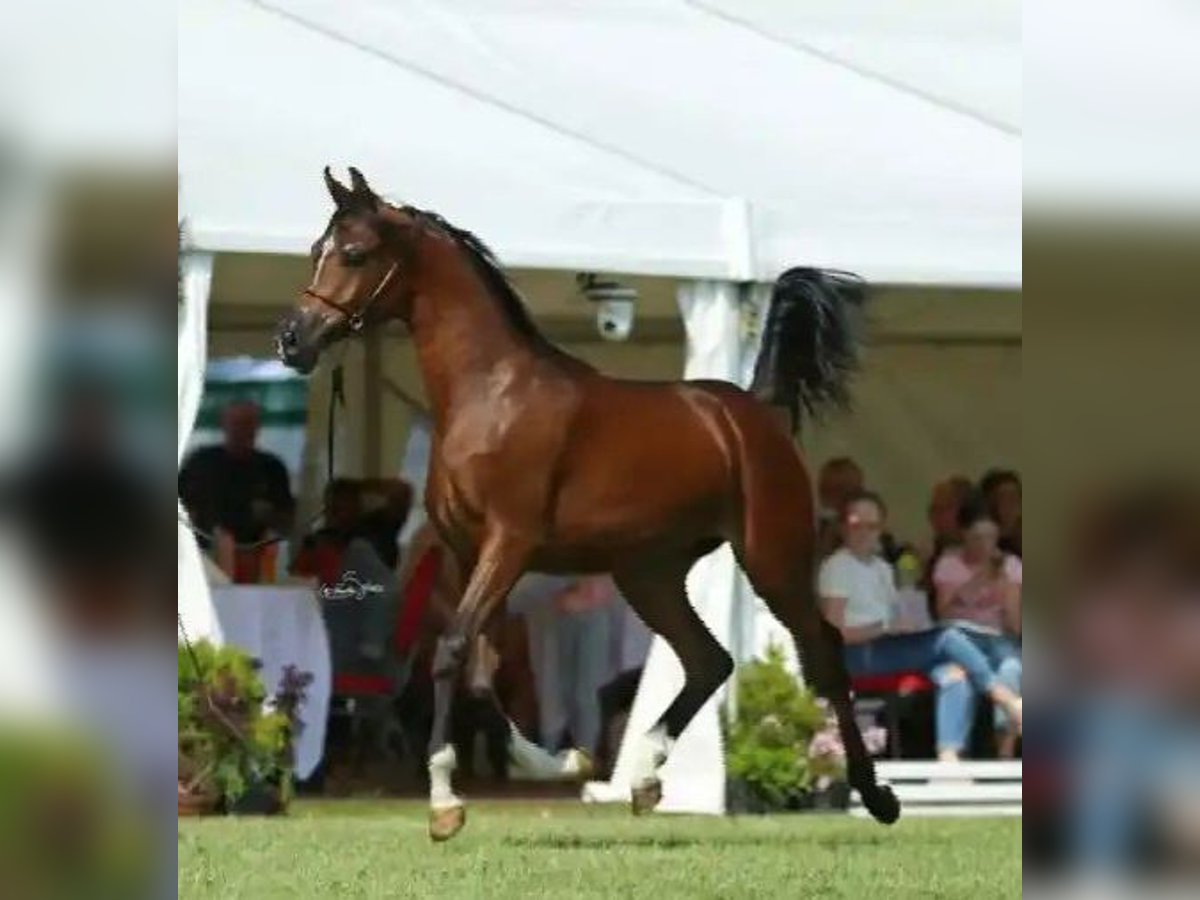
(296, 344)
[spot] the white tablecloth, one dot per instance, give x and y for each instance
(279, 625)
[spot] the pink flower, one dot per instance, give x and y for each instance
(826, 744)
(875, 739)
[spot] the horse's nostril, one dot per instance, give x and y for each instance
(287, 343)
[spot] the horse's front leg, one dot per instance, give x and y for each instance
(499, 565)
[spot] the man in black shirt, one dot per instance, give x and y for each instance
(235, 486)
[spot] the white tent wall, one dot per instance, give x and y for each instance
(195, 603)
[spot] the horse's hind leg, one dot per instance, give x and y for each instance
(658, 593)
(782, 574)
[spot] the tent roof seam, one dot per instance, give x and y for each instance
(474, 93)
(863, 72)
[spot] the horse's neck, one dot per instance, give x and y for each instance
(463, 339)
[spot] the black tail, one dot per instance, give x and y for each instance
(810, 342)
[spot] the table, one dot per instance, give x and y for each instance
(279, 625)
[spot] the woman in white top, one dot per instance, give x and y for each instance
(858, 595)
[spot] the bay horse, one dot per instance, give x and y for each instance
(541, 463)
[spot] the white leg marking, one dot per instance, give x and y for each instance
(653, 750)
(441, 767)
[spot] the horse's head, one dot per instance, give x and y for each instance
(356, 280)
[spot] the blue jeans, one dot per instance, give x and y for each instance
(582, 671)
(929, 652)
(1004, 657)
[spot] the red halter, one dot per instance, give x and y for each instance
(356, 318)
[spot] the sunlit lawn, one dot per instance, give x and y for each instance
(378, 848)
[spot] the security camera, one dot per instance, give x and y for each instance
(614, 319)
(614, 305)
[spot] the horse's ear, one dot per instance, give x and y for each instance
(342, 196)
(359, 184)
(363, 195)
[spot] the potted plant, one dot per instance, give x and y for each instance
(235, 751)
(269, 785)
(783, 748)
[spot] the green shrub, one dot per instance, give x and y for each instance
(767, 739)
(226, 736)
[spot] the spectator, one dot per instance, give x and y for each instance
(360, 628)
(533, 599)
(858, 594)
(583, 655)
(385, 505)
(979, 591)
(345, 518)
(945, 503)
(236, 488)
(839, 479)
(320, 554)
(1001, 490)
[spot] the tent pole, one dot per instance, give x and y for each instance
(372, 462)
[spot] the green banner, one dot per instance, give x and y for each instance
(281, 402)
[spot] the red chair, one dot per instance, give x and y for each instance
(370, 697)
(896, 690)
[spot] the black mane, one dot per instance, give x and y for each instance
(488, 267)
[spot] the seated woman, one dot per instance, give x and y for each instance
(946, 501)
(1000, 489)
(858, 594)
(979, 591)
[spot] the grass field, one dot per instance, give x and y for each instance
(378, 848)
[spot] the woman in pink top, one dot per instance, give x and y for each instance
(978, 589)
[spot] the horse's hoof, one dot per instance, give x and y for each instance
(882, 804)
(447, 822)
(579, 764)
(646, 796)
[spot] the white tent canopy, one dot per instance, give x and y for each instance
(705, 139)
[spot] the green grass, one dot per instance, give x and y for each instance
(378, 848)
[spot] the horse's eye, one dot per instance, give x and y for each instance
(354, 256)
